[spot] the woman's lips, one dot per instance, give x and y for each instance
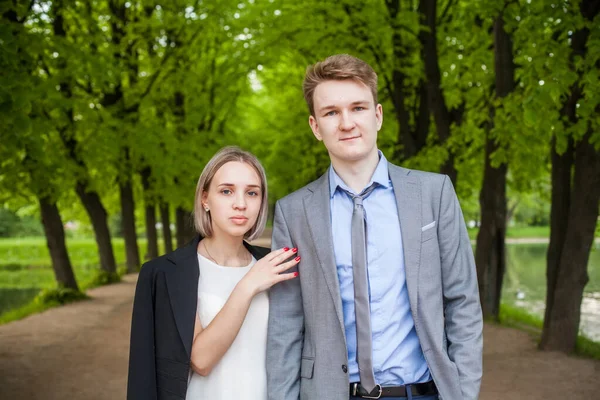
(239, 220)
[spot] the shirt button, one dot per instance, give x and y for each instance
(344, 368)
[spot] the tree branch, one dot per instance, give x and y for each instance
(155, 76)
(442, 18)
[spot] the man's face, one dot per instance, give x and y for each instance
(346, 120)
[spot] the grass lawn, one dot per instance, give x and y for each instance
(25, 270)
(520, 232)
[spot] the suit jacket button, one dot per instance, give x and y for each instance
(344, 368)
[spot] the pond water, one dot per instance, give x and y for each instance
(525, 284)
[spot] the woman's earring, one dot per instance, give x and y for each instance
(206, 209)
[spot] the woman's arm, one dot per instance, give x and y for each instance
(211, 343)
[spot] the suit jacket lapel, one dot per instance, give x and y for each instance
(407, 190)
(317, 207)
(182, 284)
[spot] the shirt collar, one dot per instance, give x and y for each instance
(381, 176)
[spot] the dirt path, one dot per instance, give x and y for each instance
(80, 351)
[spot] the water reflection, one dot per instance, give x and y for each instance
(525, 284)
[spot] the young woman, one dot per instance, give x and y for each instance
(200, 313)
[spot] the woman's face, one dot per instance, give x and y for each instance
(234, 199)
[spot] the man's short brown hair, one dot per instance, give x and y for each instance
(338, 67)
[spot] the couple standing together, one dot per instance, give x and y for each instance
(371, 291)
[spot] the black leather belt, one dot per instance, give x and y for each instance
(417, 389)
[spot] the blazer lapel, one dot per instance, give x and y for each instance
(182, 284)
(317, 208)
(407, 190)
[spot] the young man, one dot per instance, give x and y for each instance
(386, 304)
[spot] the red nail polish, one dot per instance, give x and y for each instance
(295, 250)
(286, 248)
(295, 274)
(297, 258)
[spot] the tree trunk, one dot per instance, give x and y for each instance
(55, 240)
(151, 234)
(90, 199)
(185, 226)
(97, 213)
(410, 139)
(573, 215)
(437, 102)
(559, 214)
(561, 326)
(166, 227)
(128, 220)
(150, 212)
(490, 252)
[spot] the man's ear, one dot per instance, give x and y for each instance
(312, 121)
(379, 116)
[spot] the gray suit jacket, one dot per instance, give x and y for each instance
(306, 349)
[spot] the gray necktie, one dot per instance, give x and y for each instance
(362, 309)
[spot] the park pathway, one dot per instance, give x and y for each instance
(80, 351)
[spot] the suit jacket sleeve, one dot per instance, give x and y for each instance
(463, 319)
(286, 325)
(141, 383)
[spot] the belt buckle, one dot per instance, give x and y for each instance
(373, 397)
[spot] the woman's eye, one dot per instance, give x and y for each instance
(253, 193)
(226, 191)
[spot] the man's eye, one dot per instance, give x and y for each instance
(330, 113)
(358, 108)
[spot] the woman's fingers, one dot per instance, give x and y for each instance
(285, 266)
(281, 257)
(276, 253)
(286, 277)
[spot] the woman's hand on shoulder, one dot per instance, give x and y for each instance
(270, 270)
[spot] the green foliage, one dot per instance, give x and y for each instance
(58, 295)
(104, 278)
(586, 347)
(13, 225)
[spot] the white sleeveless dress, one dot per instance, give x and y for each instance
(241, 373)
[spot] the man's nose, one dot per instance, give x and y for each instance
(346, 121)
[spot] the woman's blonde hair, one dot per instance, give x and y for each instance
(202, 220)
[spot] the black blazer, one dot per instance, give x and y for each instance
(162, 325)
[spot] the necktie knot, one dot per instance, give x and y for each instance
(358, 201)
(358, 198)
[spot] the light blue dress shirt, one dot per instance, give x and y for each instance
(397, 355)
